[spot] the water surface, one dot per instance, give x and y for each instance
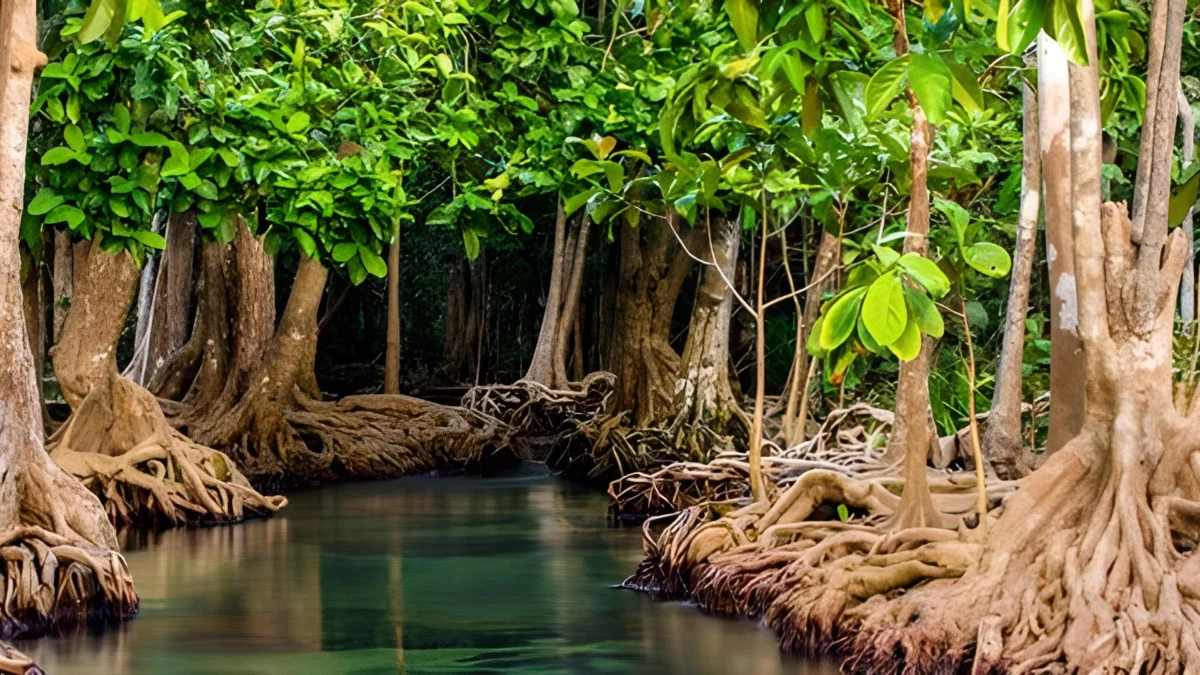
(505, 575)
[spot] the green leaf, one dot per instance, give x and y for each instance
(149, 139)
(840, 319)
(344, 251)
(45, 201)
(743, 16)
(471, 243)
(175, 166)
(59, 155)
(150, 239)
(925, 272)
(864, 336)
(121, 118)
(964, 86)
(208, 190)
(886, 256)
(298, 122)
(988, 258)
(1023, 24)
(189, 181)
(930, 81)
(883, 310)
(908, 345)
(74, 137)
(885, 85)
(371, 260)
(572, 204)
(97, 20)
(1185, 197)
(1063, 22)
(358, 273)
(843, 513)
(814, 339)
(924, 312)
(306, 242)
(65, 213)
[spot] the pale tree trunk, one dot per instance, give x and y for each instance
(147, 289)
(703, 396)
(1066, 350)
(52, 525)
(1187, 288)
(391, 373)
(549, 364)
(822, 278)
(1003, 442)
(170, 311)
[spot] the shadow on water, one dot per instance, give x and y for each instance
(503, 575)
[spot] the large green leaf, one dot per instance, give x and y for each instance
(885, 85)
(989, 259)
(1023, 24)
(97, 20)
(930, 81)
(924, 312)
(45, 201)
(908, 345)
(883, 310)
(840, 319)
(1063, 22)
(1186, 195)
(743, 16)
(371, 260)
(925, 272)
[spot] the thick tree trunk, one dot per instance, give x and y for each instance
(391, 372)
(1066, 349)
(118, 439)
(34, 309)
(195, 373)
(62, 567)
(652, 269)
(280, 434)
(703, 397)
(170, 313)
(1003, 442)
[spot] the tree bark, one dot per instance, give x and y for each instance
(1003, 442)
(1066, 349)
(796, 414)
(35, 321)
(1187, 288)
(391, 373)
(549, 365)
(61, 277)
(170, 314)
(703, 396)
(62, 564)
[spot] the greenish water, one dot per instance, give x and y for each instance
(505, 575)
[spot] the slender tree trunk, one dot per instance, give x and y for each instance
(170, 314)
(1187, 288)
(35, 320)
(913, 433)
(62, 275)
(1066, 349)
(146, 296)
(46, 514)
(391, 374)
(796, 414)
(1003, 442)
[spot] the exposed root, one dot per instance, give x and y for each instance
(541, 418)
(52, 584)
(13, 662)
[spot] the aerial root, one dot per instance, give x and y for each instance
(51, 583)
(167, 478)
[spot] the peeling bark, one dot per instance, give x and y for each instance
(170, 312)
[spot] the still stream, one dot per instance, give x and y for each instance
(421, 575)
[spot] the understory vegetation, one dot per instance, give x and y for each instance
(880, 317)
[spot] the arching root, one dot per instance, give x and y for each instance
(541, 418)
(52, 584)
(166, 478)
(13, 662)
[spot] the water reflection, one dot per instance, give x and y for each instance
(507, 575)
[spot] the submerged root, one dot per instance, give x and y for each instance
(53, 584)
(167, 478)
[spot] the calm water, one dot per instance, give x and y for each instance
(508, 575)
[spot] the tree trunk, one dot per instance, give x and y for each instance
(35, 321)
(1003, 443)
(281, 435)
(391, 372)
(652, 269)
(821, 279)
(61, 277)
(170, 313)
(62, 565)
(913, 433)
(1066, 349)
(118, 439)
(703, 397)
(147, 289)
(1187, 288)
(549, 365)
